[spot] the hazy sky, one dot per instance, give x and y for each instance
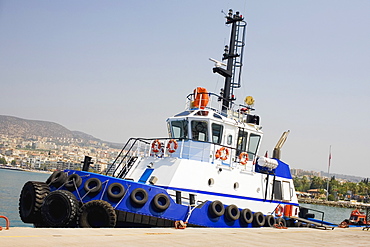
(118, 69)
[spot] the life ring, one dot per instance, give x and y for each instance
(97, 213)
(172, 146)
(279, 210)
(57, 179)
(72, 180)
(156, 146)
(216, 209)
(258, 219)
(139, 196)
(30, 201)
(60, 208)
(115, 191)
(161, 202)
(246, 216)
(270, 221)
(222, 153)
(92, 185)
(243, 158)
(232, 212)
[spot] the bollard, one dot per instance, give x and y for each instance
(7, 222)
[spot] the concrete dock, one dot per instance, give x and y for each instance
(25, 236)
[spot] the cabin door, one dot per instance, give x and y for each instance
(242, 140)
(287, 195)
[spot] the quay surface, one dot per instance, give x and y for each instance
(26, 236)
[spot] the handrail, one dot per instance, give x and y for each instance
(219, 99)
(322, 216)
(193, 149)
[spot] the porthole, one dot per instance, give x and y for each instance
(211, 182)
(236, 186)
(258, 190)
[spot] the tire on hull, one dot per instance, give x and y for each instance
(73, 182)
(60, 209)
(30, 201)
(258, 219)
(246, 216)
(57, 179)
(216, 209)
(96, 214)
(270, 221)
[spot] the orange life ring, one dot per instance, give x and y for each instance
(279, 210)
(222, 153)
(156, 146)
(172, 146)
(243, 158)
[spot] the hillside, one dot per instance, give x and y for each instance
(30, 129)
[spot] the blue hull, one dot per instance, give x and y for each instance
(130, 214)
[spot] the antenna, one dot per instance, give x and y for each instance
(218, 63)
(233, 54)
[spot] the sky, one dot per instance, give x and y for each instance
(119, 69)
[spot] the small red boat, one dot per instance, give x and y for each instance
(356, 218)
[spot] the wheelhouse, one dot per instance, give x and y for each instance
(215, 130)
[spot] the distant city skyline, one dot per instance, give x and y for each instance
(118, 69)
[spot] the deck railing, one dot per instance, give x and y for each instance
(138, 148)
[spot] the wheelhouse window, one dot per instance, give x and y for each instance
(179, 129)
(254, 141)
(242, 142)
(278, 195)
(217, 133)
(199, 130)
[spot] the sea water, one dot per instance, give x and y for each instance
(331, 214)
(11, 184)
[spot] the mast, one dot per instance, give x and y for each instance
(233, 53)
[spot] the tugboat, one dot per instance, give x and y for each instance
(206, 173)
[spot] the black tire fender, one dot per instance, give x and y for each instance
(57, 179)
(72, 180)
(139, 196)
(60, 209)
(92, 185)
(246, 216)
(115, 191)
(232, 212)
(161, 202)
(270, 221)
(97, 213)
(216, 208)
(281, 222)
(298, 224)
(258, 219)
(30, 201)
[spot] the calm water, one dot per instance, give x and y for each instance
(11, 183)
(331, 214)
